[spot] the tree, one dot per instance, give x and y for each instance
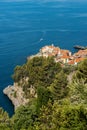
(43, 96)
(82, 71)
(24, 117)
(40, 71)
(62, 117)
(59, 87)
(5, 123)
(19, 73)
(78, 92)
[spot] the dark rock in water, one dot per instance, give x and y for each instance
(80, 47)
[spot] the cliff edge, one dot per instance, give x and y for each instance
(16, 95)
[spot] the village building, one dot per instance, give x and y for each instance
(49, 51)
(81, 53)
(63, 56)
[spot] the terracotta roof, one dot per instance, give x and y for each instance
(79, 59)
(64, 54)
(71, 62)
(81, 52)
(65, 57)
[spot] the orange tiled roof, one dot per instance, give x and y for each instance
(81, 52)
(65, 57)
(71, 62)
(79, 59)
(64, 54)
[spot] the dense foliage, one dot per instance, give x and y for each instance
(61, 101)
(5, 123)
(82, 71)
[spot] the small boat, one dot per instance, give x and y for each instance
(41, 39)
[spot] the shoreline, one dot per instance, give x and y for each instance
(15, 93)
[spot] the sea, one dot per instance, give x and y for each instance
(28, 25)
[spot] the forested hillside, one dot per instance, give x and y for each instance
(59, 101)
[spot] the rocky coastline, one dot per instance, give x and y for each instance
(16, 95)
(15, 92)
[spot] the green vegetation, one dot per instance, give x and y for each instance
(59, 104)
(41, 72)
(82, 71)
(59, 88)
(15, 94)
(5, 122)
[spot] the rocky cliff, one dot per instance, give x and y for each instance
(16, 95)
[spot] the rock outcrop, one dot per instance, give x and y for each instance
(16, 95)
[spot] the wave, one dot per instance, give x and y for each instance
(36, 30)
(79, 15)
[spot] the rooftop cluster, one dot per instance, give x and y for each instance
(62, 55)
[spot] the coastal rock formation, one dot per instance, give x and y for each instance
(21, 93)
(16, 95)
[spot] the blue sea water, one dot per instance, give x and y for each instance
(26, 26)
